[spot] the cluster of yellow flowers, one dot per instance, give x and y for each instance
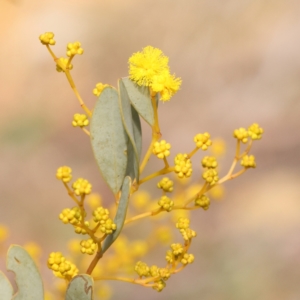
(60, 266)
(148, 68)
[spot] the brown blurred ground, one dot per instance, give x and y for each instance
(239, 61)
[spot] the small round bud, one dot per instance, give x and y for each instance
(99, 88)
(248, 161)
(47, 38)
(62, 65)
(255, 132)
(80, 120)
(166, 203)
(183, 166)
(142, 269)
(211, 176)
(64, 174)
(203, 140)
(74, 48)
(166, 184)
(209, 162)
(82, 187)
(88, 246)
(161, 149)
(241, 134)
(202, 201)
(187, 259)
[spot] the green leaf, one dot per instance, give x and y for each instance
(6, 289)
(133, 128)
(109, 139)
(28, 279)
(137, 131)
(140, 98)
(120, 215)
(80, 288)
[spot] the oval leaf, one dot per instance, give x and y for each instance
(120, 215)
(137, 131)
(28, 279)
(80, 288)
(132, 130)
(6, 289)
(109, 139)
(140, 98)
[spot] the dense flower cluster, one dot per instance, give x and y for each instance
(202, 140)
(161, 149)
(74, 48)
(64, 174)
(82, 187)
(80, 120)
(60, 266)
(166, 184)
(183, 165)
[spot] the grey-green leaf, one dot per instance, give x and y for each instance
(133, 128)
(28, 279)
(120, 215)
(80, 288)
(109, 139)
(6, 289)
(140, 98)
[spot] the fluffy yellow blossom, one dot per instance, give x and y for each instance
(74, 48)
(47, 38)
(211, 176)
(166, 184)
(183, 165)
(255, 132)
(166, 203)
(241, 134)
(209, 162)
(62, 65)
(166, 84)
(64, 174)
(143, 66)
(88, 246)
(82, 187)
(99, 88)
(150, 68)
(161, 149)
(202, 140)
(80, 120)
(202, 201)
(248, 161)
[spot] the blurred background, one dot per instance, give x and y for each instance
(239, 62)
